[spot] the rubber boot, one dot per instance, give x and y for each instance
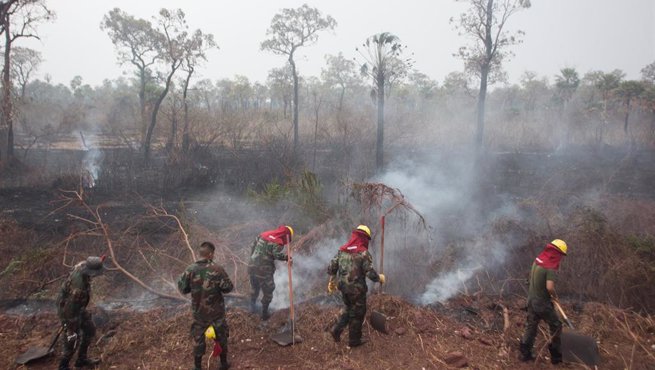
(265, 314)
(83, 360)
(253, 305)
(197, 363)
(224, 363)
(555, 356)
(336, 333)
(526, 353)
(87, 362)
(63, 364)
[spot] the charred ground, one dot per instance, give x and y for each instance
(600, 202)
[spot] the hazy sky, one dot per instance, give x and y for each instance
(585, 34)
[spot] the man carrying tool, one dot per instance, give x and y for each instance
(78, 328)
(267, 247)
(348, 271)
(540, 306)
(207, 282)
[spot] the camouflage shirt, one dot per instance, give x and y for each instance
(263, 255)
(206, 281)
(351, 269)
(74, 295)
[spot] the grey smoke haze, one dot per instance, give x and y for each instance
(442, 190)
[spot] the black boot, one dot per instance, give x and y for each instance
(224, 364)
(526, 353)
(197, 363)
(265, 314)
(336, 333)
(253, 305)
(63, 364)
(87, 362)
(555, 356)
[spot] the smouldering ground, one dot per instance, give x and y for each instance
(419, 337)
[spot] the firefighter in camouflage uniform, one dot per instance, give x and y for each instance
(348, 271)
(207, 282)
(78, 328)
(268, 247)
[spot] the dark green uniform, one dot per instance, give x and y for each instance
(206, 281)
(351, 269)
(262, 268)
(540, 308)
(74, 296)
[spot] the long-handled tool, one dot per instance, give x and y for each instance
(378, 320)
(35, 353)
(288, 337)
(577, 347)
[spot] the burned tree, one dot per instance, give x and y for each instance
(197, 48)
(136, 42)
(18, 19)
(383, 64)
(289, 30)
(484, 22)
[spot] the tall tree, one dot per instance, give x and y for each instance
(484, 22)
(280, 84)
(197, 47)
(606, 84)
(175, 44)
(18, 19)
(629, 91)
(137, 44)
(342, 73)
(566, 83)
(289, 30)
(383, 64)
(24, 63)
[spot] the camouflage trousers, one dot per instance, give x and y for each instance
(539, 309)
(198, 334)
(352, 315)
(77, 333)
(261, 279)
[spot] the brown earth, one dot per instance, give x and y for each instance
(419, 337)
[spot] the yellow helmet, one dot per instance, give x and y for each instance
(365, 229)
(210, 333)
(561, 245)
(290, 230)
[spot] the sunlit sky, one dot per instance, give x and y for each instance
(585, 34)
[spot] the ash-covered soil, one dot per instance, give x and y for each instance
(466, 332)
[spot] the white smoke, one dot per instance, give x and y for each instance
(442, 190)
(92, 158)
(309, 272)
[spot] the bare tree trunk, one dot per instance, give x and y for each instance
(153, 117)
(379, 147)
(142, 104)
(6, 126)
(627, 116)
(185, 132)
(482, 97)
(295, 104)
(173, 137)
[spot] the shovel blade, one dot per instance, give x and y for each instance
(286, 338)
(579, 348)
(34, 353)
(379, 322)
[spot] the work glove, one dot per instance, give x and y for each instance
(382, 278)
(332, 286)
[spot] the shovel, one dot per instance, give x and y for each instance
(577, 347)
(377, 319)
(35, 353)
(288, 334)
